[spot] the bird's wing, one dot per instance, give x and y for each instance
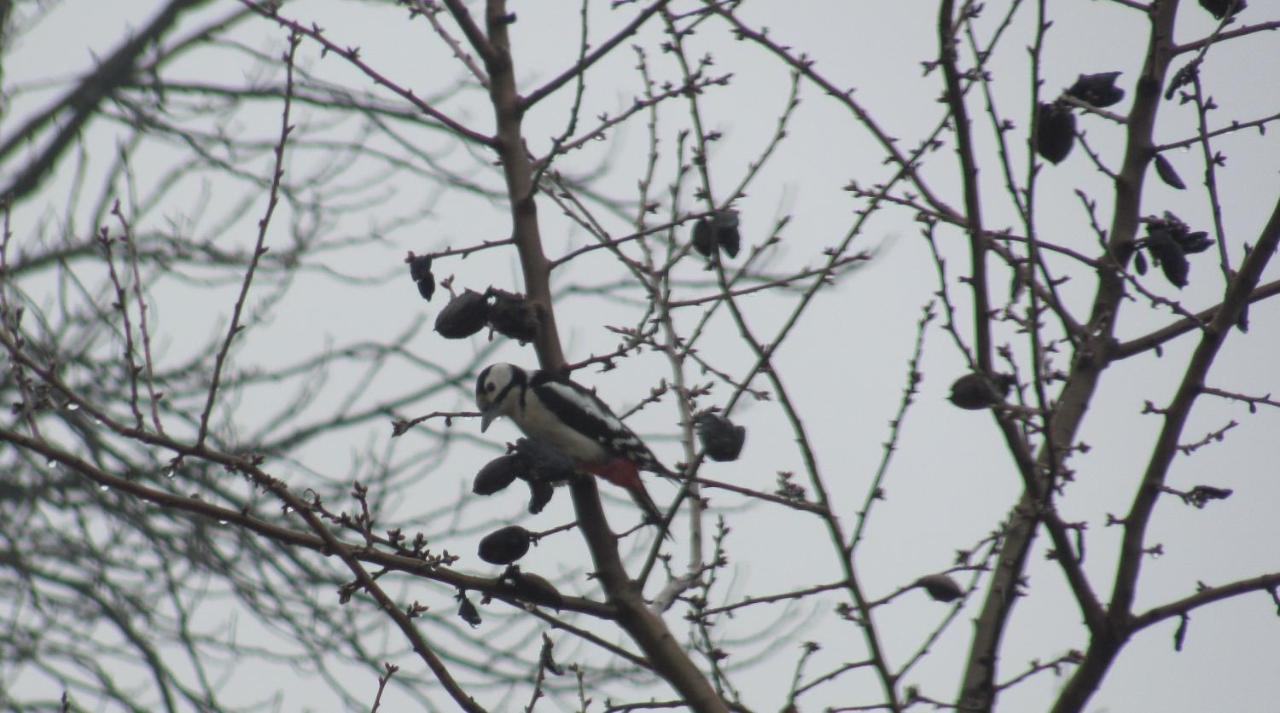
(582, 410)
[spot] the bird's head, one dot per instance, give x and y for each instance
(498, 389)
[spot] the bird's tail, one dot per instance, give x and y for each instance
(641, 496)
(625, 474)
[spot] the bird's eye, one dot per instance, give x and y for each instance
(490, 387)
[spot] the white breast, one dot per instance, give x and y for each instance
(538, 422)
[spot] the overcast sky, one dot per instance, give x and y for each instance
(951, 482)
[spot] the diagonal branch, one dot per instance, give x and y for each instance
(1103, 649)
(644, 626)
(1154, 340)
(259, 249)
(116, 71)
(580, 68)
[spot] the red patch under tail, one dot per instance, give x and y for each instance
(624, 474)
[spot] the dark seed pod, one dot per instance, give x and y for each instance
(720, 438)
(513, 316)
(704, 240)
(1223, 8)
(1166, 250)
(941, 587)
(719, 232)
(545, 463)
(1175, 267)
(1165, 171)
(427, 287)
(1055, 131)
(463, 316)
(975, 391)
(1192, 243)
(1169, 241)
(1200, 495)
(533, 588)
(725, 223)
(498, 473)
(540, 493)
(420, 271)
(419, 267)
(1099, 89)
(467, 611)
(506, 545)
(1185, 75)
(1140, 263)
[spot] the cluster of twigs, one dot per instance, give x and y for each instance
(145, 485)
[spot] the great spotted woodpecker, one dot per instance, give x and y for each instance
(575, 421)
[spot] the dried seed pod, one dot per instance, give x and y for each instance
(704, 240)
(540, 493)
(512, 316)
(1192, 243)
(725, 223)
(1168, 242)
(467, 611)
(498, 473)
(463, 316)
(1165, 171)
(975, 391)
(1173, 262)
(720, 438)
(533, 588)
(545, 467)
(717, 232)
(941, 587)
(420, 271)
(1099, 89)
(1200, 495)
(427, 287)
(419, 267)
(545, 463)
(1055, 131)
(506, 545)
(1185, 75)
(1223, 8)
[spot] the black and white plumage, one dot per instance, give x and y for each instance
(564, 414)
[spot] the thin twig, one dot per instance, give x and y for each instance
(259, 249)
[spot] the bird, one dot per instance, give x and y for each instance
(568, 416)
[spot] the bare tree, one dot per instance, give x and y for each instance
(237, 449)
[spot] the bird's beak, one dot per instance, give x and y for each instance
(486, 417)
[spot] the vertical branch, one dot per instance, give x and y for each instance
(1211, 174)
(518, 171)
(661, 295)
(1091, 358)
(11, 323)
(764, 364)
(644, 626)
(909, 392)
(947, 26)
(1038, 375)
(259, 249)
(144, 329)
(122, 305)
(1103, 649)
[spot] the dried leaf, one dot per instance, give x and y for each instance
(1055, 132)
(1164, 169)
